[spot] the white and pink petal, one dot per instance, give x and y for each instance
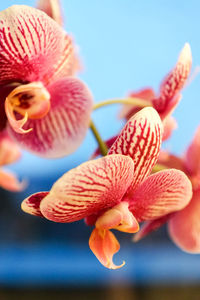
(160, 194)
(33, 47)
(141, 140)
(31, 204)
(91, 188)
(174, 81)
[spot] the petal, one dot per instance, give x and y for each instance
(184, 226)
(9, 151)
(8, 181)
(192, 157)
(33, 47)
(63, 129)
(169, 125)
(88, 189)
(119, 217)
(104, 245)
(5, 91)
(31, 204)
(171, 161)
(52, 8)
(17, 125)
(175, 80)
(150, 226)
(160, 194)
(140, 139)
(128, 111)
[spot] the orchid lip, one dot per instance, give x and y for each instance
(32, 101)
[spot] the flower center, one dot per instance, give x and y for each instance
(119, 217)
(32, 101)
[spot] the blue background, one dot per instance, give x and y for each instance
(124, 46)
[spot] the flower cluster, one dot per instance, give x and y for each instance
(47, 110)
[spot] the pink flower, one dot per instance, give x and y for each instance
(9, 153)
(115, 192)
(169, 94)
(46, 110)
(184, 225)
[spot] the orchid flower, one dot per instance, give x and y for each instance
(184, 226)
(45, 108)
(115, 191)
(169, 95)
(9, 153)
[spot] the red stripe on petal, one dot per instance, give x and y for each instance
(31, 205)
(63, 129)
(184, 226)
(140, 139)
(88, 189)
(160, 194)
(175, 80)
(32, 46)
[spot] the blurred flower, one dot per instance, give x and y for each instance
(169, 95)
(184, 226)
(9, 153)
(114, 192)
(47, 111)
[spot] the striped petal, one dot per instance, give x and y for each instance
(141, 140)
(128, 111)
(33, 47)
(52, 8)
(160, 194)
(192, 157)
(174, 81)
(104, 245)
(8, 181)
(88, 189)
(184, 226)
(9, 151)
(31, 204)
(63, 129)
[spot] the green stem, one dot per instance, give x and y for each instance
(102, 146)
(131, 101)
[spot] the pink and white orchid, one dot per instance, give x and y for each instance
(115, 192)
(184, 225)
(45, 108)
(9, 153)
(169, 94)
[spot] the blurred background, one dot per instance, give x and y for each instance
(124, 46)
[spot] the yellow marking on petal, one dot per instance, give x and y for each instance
(120, 218)
(29, 100)
(17, 125)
